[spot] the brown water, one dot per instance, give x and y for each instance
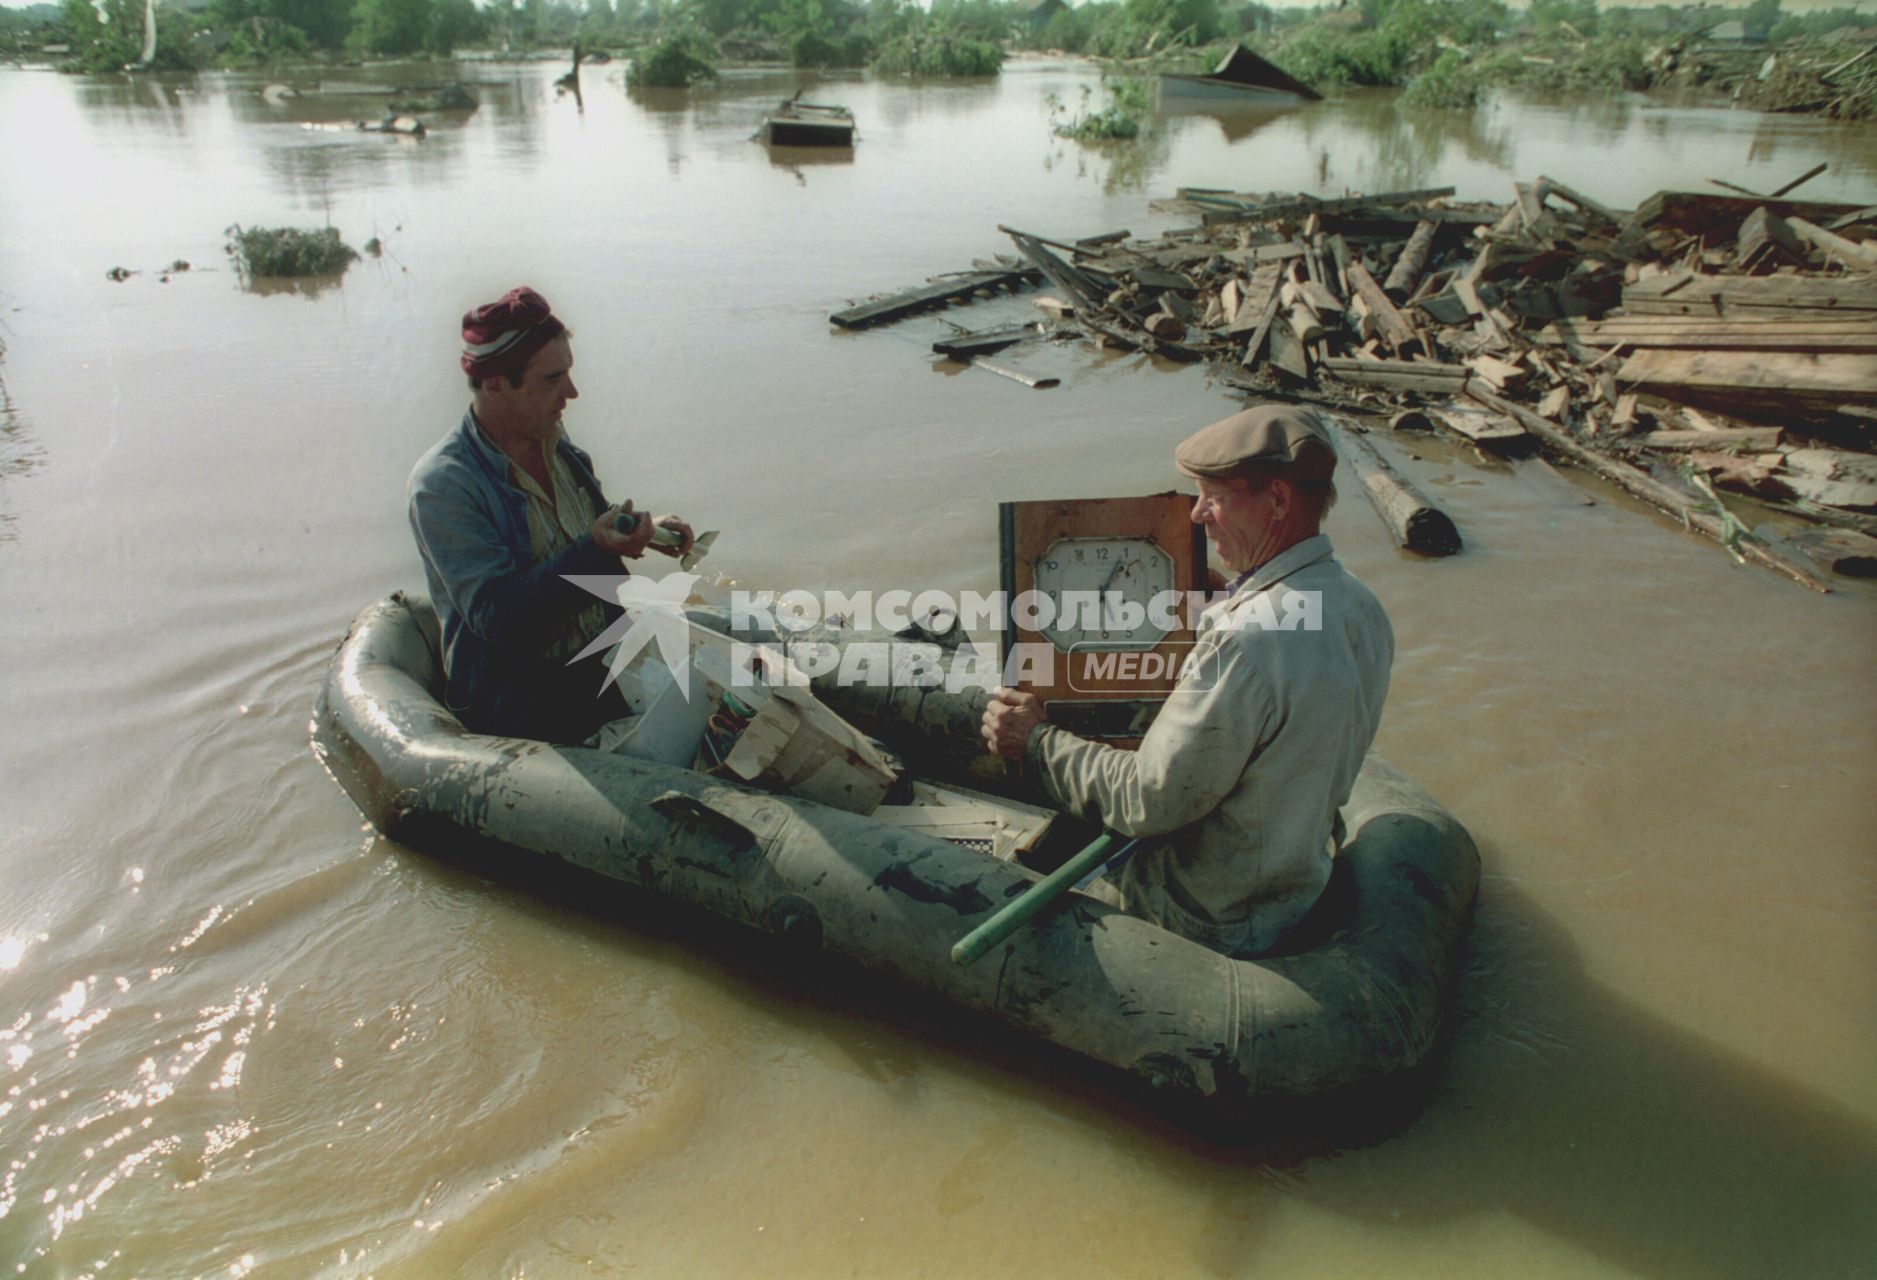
(240, 1035)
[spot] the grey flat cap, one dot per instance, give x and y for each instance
(1270, 435)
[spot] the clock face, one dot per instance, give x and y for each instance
(1101, 589)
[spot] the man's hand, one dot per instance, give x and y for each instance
(1009, 719)
(679, 526)
(629, 546)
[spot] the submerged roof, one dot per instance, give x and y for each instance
(1242, 66)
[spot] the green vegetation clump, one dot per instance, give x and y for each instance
(262, 253)
(1451, 83)
(938, 55)
(676, 62)
(1120, 120)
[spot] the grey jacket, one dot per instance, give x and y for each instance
(1241, 774)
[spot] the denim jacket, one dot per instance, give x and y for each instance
(498, 608)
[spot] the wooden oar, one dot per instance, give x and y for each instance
(1018, 912)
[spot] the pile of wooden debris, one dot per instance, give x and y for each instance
(1698, 341)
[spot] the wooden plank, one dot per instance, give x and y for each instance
(1497, 373)
(1255, 307)
(1253, 210)
(1855, 332)
(1712, 216)
(1847, 376)
(1483, 427)
(1572, 198)
(1287, 352)
(1750, 297)
(898, 305)
(1757, 439)
(962, 346)
(1263, 331)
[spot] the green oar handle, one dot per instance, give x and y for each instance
(1017, 913)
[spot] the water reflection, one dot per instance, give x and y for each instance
(1399, 145)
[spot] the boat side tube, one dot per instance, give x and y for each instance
(1363, 1004)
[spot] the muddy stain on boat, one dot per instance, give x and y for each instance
(241, 1033)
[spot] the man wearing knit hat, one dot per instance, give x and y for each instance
(503, 507)
(1236, 786)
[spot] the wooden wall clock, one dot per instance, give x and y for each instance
(1096, 566)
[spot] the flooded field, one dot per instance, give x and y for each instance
(240, 1035)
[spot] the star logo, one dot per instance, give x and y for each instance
(654, 613)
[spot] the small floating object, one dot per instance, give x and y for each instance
(808, 124)
(409, 126)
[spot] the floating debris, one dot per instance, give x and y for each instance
(1700, 342)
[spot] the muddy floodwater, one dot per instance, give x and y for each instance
(241, 1035)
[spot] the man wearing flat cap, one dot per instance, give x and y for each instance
(504, 506)
(1236, 786)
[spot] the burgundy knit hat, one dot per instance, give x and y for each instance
(503, 336)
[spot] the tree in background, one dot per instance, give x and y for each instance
(110, 37)
(391, 27)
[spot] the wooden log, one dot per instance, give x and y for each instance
(893, 308)
(1393, 326)
(1758, 439)
(1405, 375)
(1415, 522)
(1860, 257)
(1646, 487)
(1411, 263)
(1166, 326)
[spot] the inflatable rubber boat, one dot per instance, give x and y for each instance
(1362, 1003)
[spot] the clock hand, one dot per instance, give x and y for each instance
(1113, 573)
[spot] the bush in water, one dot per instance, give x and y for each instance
(271, 252)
